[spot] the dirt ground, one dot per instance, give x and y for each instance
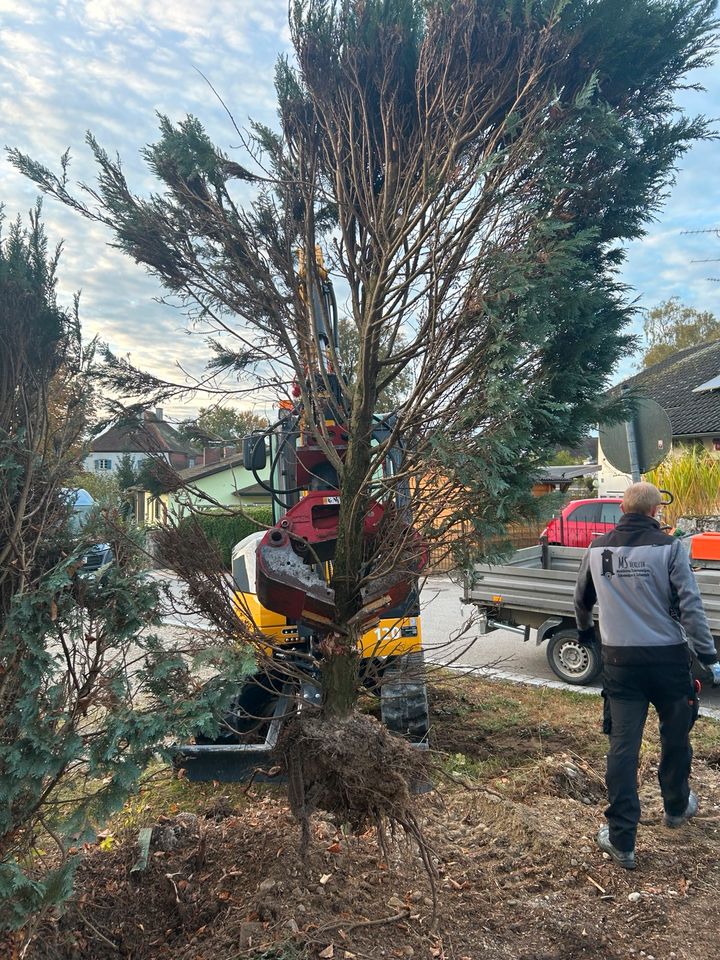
(518, 799)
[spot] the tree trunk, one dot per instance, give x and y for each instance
(340, 669)
(339, 677)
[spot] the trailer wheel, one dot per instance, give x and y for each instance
(571, 660)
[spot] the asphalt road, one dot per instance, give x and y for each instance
(451, 637)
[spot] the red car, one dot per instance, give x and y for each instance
(583, 520)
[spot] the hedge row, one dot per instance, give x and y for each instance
(228, 529)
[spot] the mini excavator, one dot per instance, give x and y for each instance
(282, 576)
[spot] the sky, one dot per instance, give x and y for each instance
(109, 66)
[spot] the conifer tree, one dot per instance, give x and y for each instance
(88, 694)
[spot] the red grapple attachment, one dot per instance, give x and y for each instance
(289, 581)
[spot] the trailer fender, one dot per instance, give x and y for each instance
(551, 626)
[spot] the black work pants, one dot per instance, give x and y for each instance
(628, 691)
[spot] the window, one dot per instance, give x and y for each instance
(586, 513)
(610, 513)
(103, 465)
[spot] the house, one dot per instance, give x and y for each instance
(687, 386)
(154, 437)
(221, 480)
(576, 479)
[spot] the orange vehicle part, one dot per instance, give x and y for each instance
(705, 546)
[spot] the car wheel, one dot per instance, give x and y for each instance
(571, 660)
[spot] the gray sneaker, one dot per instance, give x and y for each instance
(623, 858)
(690, 811)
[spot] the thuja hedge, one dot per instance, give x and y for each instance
(227, 529)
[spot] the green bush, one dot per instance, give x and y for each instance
(104, 489)
(226, 529)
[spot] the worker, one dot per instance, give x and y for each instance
(649, 608)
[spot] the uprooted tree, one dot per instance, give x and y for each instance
(471, 170)
(88, 694)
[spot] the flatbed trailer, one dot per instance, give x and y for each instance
(534, 589)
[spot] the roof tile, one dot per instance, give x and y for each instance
(671, 383)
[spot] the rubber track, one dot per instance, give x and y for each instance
(403, 697)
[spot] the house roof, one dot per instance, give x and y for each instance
(254, 490)
(197, 473)
(566, 474)
(153, 435)
(672, 383)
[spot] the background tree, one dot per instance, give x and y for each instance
(564, 458)
(104, 489)
(88, 695)
(394, 395)
(474, 169)
(221, 423)
(671, 326)
(126, 473)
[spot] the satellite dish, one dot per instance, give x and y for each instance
(653, 436)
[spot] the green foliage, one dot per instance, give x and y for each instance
(89, 694)
(102, 488)
(224, 530)
(157, 476)
(127, 474)
(564, 458)
(671, 327)
(81, 725)
(692, 475)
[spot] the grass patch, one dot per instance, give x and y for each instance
(458, 765)
(162, 793)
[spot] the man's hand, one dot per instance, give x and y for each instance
(714, 669)
(588, 637)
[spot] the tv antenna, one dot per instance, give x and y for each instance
(716, 231)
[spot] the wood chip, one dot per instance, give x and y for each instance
(596, 884)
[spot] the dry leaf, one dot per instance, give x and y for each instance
(334, 848)
(53, 610)
(327, 953)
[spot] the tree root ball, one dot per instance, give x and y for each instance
(355, 770)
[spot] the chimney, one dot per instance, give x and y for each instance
(212, 455)
(158, 413)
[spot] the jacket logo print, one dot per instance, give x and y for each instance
(607, 564)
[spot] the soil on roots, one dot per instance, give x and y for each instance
(357, 772)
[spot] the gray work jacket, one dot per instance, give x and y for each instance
(647, 595)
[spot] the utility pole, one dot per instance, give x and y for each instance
(632, 448)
